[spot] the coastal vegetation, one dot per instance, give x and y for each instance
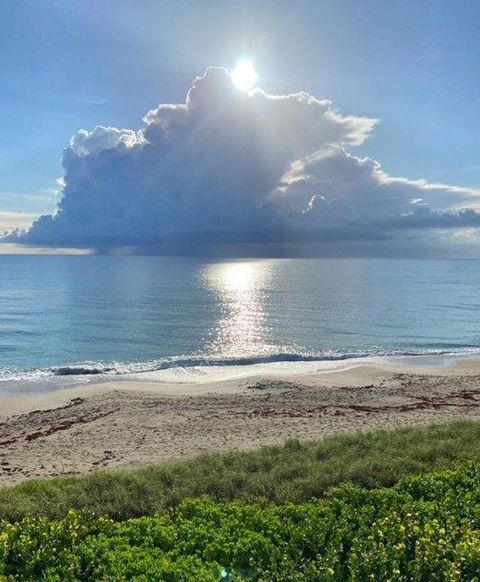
(294, 472)
(426, 528)
(386, 505)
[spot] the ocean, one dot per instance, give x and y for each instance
(91, 315)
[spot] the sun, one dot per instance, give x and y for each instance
(243, 75)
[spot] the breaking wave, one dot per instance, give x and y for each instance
(192, 362)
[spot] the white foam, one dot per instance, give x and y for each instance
(175, 373)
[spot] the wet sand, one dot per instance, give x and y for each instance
(136, 421)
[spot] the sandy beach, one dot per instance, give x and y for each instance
(135, 421)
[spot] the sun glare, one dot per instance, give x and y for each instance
(244, 75)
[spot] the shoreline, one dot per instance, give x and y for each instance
(46, 380)
(140, 420)
(173, 364)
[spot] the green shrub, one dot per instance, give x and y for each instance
(426, 528)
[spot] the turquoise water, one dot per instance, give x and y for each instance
(77, 314)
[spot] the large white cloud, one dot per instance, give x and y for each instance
(230, 161)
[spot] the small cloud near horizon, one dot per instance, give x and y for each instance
(11, 221)
(465, 235)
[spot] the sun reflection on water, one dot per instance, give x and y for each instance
(242, 288)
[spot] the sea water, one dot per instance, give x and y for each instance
(115, 315)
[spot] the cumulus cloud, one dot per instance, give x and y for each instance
(336, 188)
(465, 235)
(227, 161)
(11, 221)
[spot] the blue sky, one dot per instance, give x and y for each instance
(71, 64)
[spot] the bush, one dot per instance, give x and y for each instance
(426, 528)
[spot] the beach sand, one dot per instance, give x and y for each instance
(135, 421)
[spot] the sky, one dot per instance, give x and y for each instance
(410, 67)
